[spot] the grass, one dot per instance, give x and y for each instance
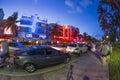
(114, 63)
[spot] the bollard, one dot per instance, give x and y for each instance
(70, 72)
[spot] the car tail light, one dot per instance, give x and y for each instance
(76, 48)
(16, 57)
(63, 51)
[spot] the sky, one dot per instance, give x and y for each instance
(78, 13)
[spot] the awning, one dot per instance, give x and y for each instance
(5, 37)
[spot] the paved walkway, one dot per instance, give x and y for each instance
(87, 67)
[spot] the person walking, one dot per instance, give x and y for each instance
(93, 48)
(105, 51)
(5, 48)
(11, 65)
(110, 46)
(5, 51)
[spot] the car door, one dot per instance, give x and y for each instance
(43, 59)
(53, 56)
(81, 48)
(38, 57)
(85, 48)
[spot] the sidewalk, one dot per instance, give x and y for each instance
(86, 66)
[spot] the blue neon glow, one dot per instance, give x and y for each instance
(33, 25)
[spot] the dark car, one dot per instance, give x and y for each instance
(39, 56)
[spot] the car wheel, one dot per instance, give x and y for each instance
(29, 67)
(66, 60)
(1, 65)
(86, 51)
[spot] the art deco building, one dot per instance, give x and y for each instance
(66, 33)
(32, 27)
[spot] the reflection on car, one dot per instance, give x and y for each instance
(60, 47)
(40, 56)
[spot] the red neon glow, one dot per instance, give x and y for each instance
(69, 34)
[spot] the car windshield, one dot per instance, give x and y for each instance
(60, 45)
(72, 45)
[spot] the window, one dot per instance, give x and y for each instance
(32, 52)
(72, 45)
(38, 24)
(80, 45)
(23, 53)
(41, 52)
(25, 22)
(51, 51)
(12, 44)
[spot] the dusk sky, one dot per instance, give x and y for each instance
(79, 13)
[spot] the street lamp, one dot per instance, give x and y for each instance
(107, 36)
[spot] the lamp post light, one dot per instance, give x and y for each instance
(106, 37)
(116, 39)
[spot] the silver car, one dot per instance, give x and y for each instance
(40, 56)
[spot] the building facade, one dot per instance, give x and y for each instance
(32, 27)
(1, 14)
(65, 33)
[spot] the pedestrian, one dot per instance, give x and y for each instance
(98, 52)
(89, 46)
(86, 78)
(5, 48)
(110, 46)
(93, 48)
(11, 65)
(105, 51)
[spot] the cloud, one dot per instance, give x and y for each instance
(79, 9)
(35, 1)
(76, 10)
(77, 6)
(85, 3)
(69, 3)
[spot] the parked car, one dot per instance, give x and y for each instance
(40, 56)
(16, 46)
(77, 48)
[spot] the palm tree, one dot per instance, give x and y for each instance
(109, 16)
(11, 23)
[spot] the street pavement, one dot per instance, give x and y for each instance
(85, 67)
